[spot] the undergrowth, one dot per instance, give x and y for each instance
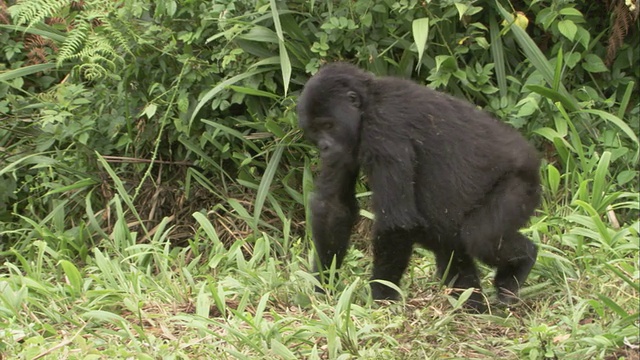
(153, 182)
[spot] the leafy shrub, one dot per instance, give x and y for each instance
(207, 90)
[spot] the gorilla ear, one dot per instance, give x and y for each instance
(354, 98)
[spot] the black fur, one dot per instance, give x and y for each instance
(444, 175)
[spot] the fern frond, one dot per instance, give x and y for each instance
(95, 39)
(101, 48)
(622, 21)
(30, 12)
(92, 71)
(73, 43)
(116, 36)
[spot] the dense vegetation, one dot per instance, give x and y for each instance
(153, 181)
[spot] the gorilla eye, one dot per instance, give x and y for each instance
(326, 126)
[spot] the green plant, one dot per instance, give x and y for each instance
(153, 181)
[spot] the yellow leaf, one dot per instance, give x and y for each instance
(521, 20)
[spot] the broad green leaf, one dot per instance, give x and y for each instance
(555, 96)
(149, 110)
(459, 302)
(593, 64)
(462, 8)
(527, 106)
(366, 19)
(262, 305)
(420, 34)
(594, 226)
(285, 65)
(203, 302)
(445, 62)
(239, 208)
(219, 297)
(344, 302)
(207, 227)
(260, 34)
(626, 176)
(569, 11)
(568, 29)
(172, 6)
(572, 59)
(274, 128)
(583, 37)
(73, 275)
(553, 176)
(380, 8)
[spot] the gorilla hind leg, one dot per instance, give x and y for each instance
(503, 210)
(457, 270)
(490, 232)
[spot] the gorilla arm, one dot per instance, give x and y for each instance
(334, 210)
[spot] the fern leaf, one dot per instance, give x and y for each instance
(30, 12)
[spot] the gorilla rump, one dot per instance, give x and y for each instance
(444, 175)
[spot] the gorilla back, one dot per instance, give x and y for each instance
(444, 175)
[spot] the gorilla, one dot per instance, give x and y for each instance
(444, 175)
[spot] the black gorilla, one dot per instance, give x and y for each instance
(443, 174)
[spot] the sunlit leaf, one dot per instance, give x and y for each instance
(420, 35)
(568, 29)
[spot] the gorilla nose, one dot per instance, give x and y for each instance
(323, 145)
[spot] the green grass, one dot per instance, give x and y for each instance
(254, 299)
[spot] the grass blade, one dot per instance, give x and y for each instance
(600, 181)
(557, 75)
(265, 183)
(617, 122)
(122, 192)
(25, 70)
(625, 99)
(497, 54)
(285, 64)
